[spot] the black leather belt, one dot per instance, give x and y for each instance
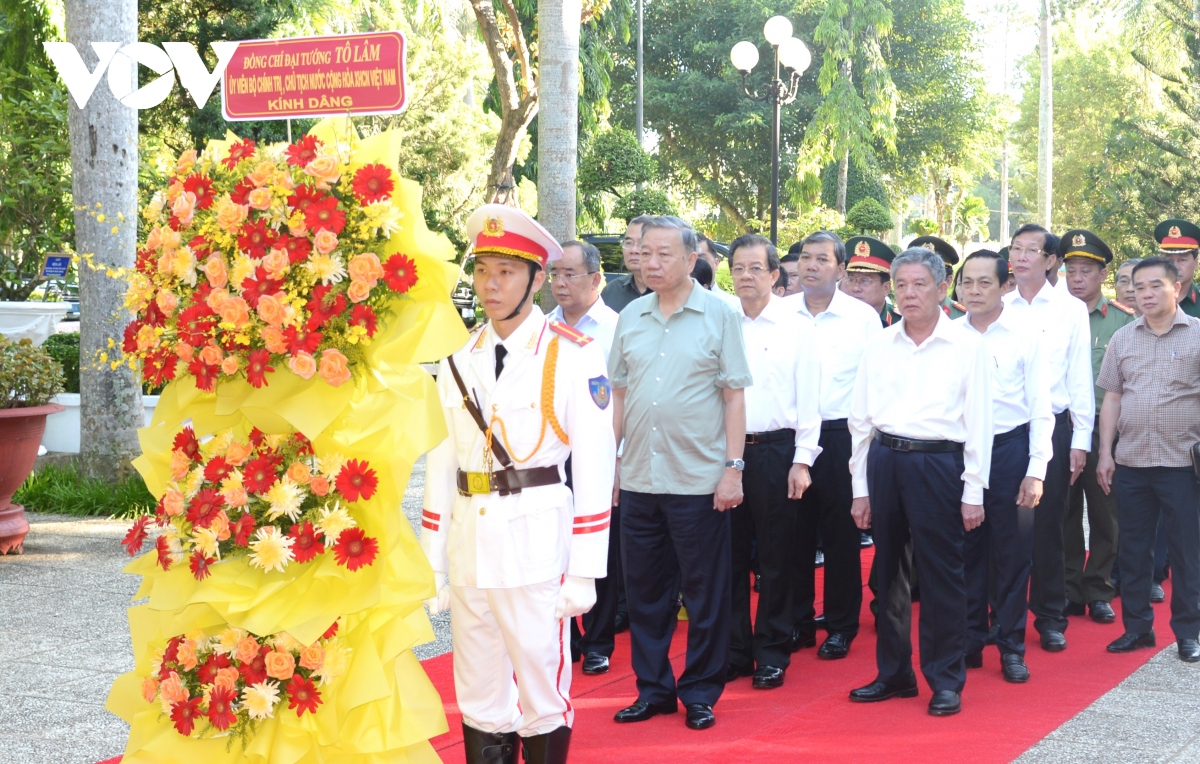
(506, 482)
(924, 446)
(835, 424)
(755, 438)
(1017, 431)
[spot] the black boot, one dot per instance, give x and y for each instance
(550, 748)
(489, 747)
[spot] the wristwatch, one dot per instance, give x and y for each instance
(737, 464)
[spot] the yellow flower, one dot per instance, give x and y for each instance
(243, 268)
(183, 266)
(205, 539)
(154, 210)
(333, 521)
(385, 217)
(285, 498)
(140, 290)
(217, 446)
(337, 660)
(260, 699)
(226, 641)
(287, 643)
(331, 464)
(270, 549)
(191, 485)
(327, 268)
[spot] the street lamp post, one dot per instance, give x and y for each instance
(792, 54)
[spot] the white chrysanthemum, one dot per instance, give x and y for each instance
(153, 211)
(331, 464)
(260, 699)
(287, 643)
(333, 520)
(285, 498)
(337, 661)
(192, 483)
(242, 269)
(205, 539)
(225, 643)
(329, 269)
(270, 550)
(217, 444)
(383, 217)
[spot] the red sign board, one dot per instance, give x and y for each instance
(315, 76)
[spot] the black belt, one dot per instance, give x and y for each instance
(925, 446)
(506, 482)
(755, 438)
(1019, 430)
(835, 424)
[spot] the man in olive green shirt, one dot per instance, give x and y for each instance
(1179, 241)
(626, 288)
(1088, 584)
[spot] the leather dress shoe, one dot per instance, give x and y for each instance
(1128, 642)
(1189, 650)
(700, 716)
(974, 659)
(819, 621)
(945, 703)
(1157, 594)
(640, 711)
(1102, 612)
(881, 690)
(1053, 641)
(768, 677)
(801, 640)
(733, 673)
(835, 646)
(595, 663)
(865, 540)
(1013, 668)
(1075, 608)
(622, 622)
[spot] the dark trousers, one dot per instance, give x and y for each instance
(600, 623)
(825, 513)
(919, 496)
(1088, 572)
(1142, 492)
(767, 516)
(1160, 556)
(1047, 584)
(1003, 544)
(671, 544)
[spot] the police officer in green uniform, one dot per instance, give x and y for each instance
(1088, 584)
(1179, 240)
(868, 275)
(949, 256)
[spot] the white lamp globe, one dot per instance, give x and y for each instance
(793, 54)
(777, 29)
(744, 56)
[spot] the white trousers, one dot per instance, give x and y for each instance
(512, 667)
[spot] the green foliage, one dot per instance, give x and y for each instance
(64, 348)
(24, 26)
(29, 376)
(648, 201)
(970, 219)
(862, 181)
(869, 216)
(61, 490)
(922, 226)
(612, 161)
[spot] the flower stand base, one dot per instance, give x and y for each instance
(13, 527)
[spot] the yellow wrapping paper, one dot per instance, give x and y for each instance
(384, 709)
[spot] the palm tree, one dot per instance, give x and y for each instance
(558, 114)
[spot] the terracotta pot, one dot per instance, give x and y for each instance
(20, 433)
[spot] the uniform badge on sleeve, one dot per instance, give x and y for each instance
(601, 392)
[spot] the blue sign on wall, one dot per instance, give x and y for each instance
(56, 266)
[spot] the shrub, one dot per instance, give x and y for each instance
(29, 376)
(649, 201)
(869, 216)
(64, 348)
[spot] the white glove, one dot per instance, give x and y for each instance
(576, 597)
(441, 601)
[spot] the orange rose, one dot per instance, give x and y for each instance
(180, 465)
(365, 267)
(246, 650)
(271, 310)
(324, 170)
(226, 677)
(303, 365)
(280, 665)
(174, 189)
(172, 689)
(236, 311)
(230, 216)
(359, 290)
(214, 269)
(211, 355)
(149, 689)
(263, 174)
(154, 239)
(230, 365)
(237, 453)
(184, 208)
(273, 338)
(167, 301)
(187, 655)
(260, 199)
(216, 298)
(276, 262)
(299, 473)
(297, 228)
(173, 502)
(325, 241)
(184, 351)
(170, 239)
(220, 525)
(319, 486)
(236, 497)
(312, 657)
(334, 369)
(187, 160)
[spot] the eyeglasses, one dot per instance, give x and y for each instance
(1025, 250)
(858, 281)
(754, 270)
(560, 276)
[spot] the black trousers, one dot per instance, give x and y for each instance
(1142, 492)
(1048, 582)
(600, 623)
(825, 513)
(1003, 544)
(1088, 575)
(919, 496)
(671, 544)
(767, 516)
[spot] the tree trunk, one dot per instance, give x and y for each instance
(1046, 120)
(847, 71)
(558, 107)
(104, 161)
(508, 142)
(1004, 191)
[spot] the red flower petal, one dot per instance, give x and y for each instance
(303, 695)
(372, 183)
(183, 715)
(399, 273)
(354, 549)
(356, 479)
(136, 536)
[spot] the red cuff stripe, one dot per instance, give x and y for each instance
(593, 518)
(429, 525)
(591, 529)
(431, 515)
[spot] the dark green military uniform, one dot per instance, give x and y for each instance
(870, 255)
(949, 256)
(889, 315)
(1177, 237)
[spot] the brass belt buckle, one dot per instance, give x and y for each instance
(479, 482)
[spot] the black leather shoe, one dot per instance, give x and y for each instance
(819, 562)
(864, 540)
(733, 673)
(1053, 641)
(835, 646)
(700, 716)
(881, 690)
(801, 640)
(622, 622)
(974, 660)
(768, 677)
(1102, 612)
(1157, 594)
(945, 703)
(1013, 667)
(1189, 650)
(489, 747)
(819, 621)
(550, 748)
(1128, 642)
(757, 583)
(595, 663)
(640, 711)
(1075, 608)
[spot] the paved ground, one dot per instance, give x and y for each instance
(63, 605)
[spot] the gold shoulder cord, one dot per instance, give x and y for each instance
(548, 415)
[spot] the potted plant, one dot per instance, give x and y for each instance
(29, 378)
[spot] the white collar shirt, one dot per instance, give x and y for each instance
(1019, 392)
(781, 351)
(938, 390)
(599, 323)
(1067, 348)
(842, 332)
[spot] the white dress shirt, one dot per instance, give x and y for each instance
(842, 331)
(729, 299)
(938, 390)
(1067, 349)
(599, 323)
(1019, 391)
(781, 350)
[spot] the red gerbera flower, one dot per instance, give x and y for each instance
(299, 339)
(306, 542)
(257, 367)
(129, 340)
(323, 306)
(241, 192)
(302, 151)
(256, 238)
(259, 474)
(212, 664)
(202, 188)
(185, 441)
(303, 196)
(238, 152)
(303, 444)
(136, 536)
(145, 262)
(171, 654)
(164, 552)
(152, 315)
(204, 506)
(399, 273)
(220, 707)
(325, 214)
(174, 223)
(199, 565)
(331, 632)
(256, 670)
(372, 183)
(303, 695)
(257, 437)
(243, 529)
(200, 247)
(217, 469)
(298, 247)
(196, 323)
(356, 479)
(183, 715)
(159, 366)
(254, 287)
(354, 549)
(205, 374)
(362, 315)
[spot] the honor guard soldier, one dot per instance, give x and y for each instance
(1179, 241)
(868, 277)
(521, 552)
(949, 256)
